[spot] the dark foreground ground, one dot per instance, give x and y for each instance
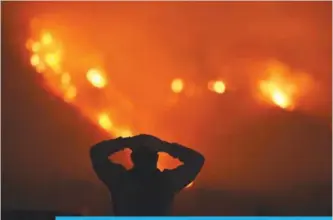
(200, 202)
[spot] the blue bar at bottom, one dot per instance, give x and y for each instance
(195, 218)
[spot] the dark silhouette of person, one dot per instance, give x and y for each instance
(144, 190)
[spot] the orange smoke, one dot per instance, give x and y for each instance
(83, 87)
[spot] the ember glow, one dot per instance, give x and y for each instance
(217, 86)
(105, 122)
(96, 78)
(277, 94)
(177, 85)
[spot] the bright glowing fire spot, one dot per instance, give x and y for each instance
(104, 121)
(53, 60)
(283, 86)
(47, 38)
(96, 78)
(34, 60)
(177, 85)
(280, 99)
(276, 94)
(35, 47)
(217, 86)
(43, 56)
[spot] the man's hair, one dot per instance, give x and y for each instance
(144, 154)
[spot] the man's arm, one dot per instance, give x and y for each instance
(192, 163)
(103, 166)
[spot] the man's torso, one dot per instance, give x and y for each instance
(134, 194)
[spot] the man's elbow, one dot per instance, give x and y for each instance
(95, 153)
(196, 162)
(200, 161)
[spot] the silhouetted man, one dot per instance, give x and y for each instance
(144, 190)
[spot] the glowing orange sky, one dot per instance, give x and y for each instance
(118, 67)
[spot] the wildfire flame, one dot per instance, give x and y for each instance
(79, 90)
(96, 78)
(47, 57)
(282, 86)
(217, 86)
(177, 85)
(278, 95)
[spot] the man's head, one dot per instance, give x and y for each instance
(144, 158)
